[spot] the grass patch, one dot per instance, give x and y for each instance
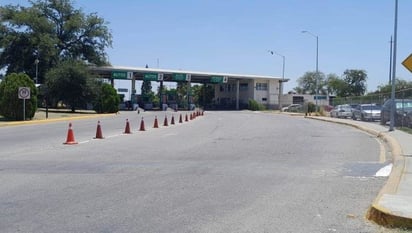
(405, 129)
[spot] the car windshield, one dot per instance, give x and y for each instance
(371, 107)
(346, 108)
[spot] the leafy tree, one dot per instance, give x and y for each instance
(10, 105)
(50, 31)
(336, 85)
(107, 100)
(403, 88)
(356, 82)
(182, 94)
(309, 81)
(70, 82)
(146, 91)
(203, 94)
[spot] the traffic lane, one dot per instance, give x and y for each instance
(23, 139)
(222, 173)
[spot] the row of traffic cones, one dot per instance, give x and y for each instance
(99, 134)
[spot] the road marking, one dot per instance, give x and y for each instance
(385, 171)
(382, 151)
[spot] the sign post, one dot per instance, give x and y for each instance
(24, 93)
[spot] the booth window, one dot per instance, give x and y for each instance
(261, 86)
(243, 87)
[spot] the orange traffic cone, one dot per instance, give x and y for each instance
(172, 121)
(165, 122)
(127, 129)
(99, 134)
(180, 118)
(186, 119)
(156, 124)
(142, 125)
(70, 136)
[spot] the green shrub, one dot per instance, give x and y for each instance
(255, 106)
(11, 106)
(107, 100)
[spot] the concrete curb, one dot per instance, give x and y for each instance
(376, 212)
(45, 121)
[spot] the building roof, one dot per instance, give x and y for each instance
(196, 76)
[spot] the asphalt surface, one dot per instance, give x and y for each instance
(222, 172)
(393, 205)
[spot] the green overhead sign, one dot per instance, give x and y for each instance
(122, 75)
(216, 79)
(179, 77)
(150, 77)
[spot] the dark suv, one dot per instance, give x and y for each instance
(403, 107)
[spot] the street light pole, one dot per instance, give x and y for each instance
(393, 106)
(283, 65)
(36, 62)
(37, 68)
(283, 75)
(317, 68)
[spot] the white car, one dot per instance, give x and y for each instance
(292, 108)
(341, 111)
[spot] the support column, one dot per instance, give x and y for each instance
(188, 91)
(237, 93)
(280, 94)
(161, 95)
(133, 93)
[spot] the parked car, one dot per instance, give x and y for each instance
(408, 120)
(402, 108)
(292, 108)
(341, 111)
(367, 112)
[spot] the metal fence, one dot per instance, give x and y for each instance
(378, 99)
(403, 103)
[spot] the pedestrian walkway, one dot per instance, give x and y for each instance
(393, 205)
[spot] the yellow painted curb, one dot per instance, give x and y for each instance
(45, 121)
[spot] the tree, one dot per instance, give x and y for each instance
(182, 94)
(203, 94)
(355, 81)
(107, 100)
(308, 83)
(50, 31)
(10, 105)
(403, 88)
(336, 85)
(147, 92)
(71, 83)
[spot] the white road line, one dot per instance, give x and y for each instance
(385, 171)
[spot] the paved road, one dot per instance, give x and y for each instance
(223, 172)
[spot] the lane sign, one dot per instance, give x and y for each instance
(122, 75)
(153, 77)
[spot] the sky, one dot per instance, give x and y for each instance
(234, 36)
